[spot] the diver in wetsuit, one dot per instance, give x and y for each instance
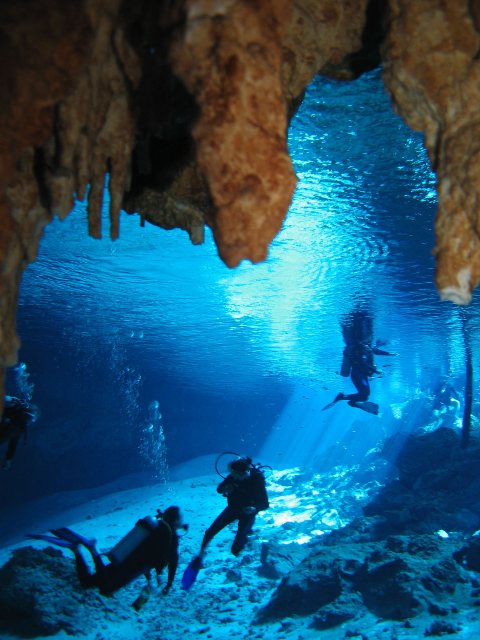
(156, 551)
(246, 494)
(357, 361)
(153, 545)
(362, 367)
(17, 416)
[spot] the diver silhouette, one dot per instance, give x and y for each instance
(246, 493)
(17, 416)
(358, 362)
(151, 544)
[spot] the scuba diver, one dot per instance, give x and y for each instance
(17, 416)
(246, 493)
(151, 544)
(446, 405)
(357, 362)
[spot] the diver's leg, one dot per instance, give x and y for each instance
(67, 534)
(86, 578)
(245, 525)
(367, 405)
(12, 447)
(360, 380)
(107, 577)
(223, 520)
(100, 566)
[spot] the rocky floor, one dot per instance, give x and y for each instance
(372, 551)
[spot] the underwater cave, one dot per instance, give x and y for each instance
(217, 315)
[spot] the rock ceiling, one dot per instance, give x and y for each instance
(185, 105)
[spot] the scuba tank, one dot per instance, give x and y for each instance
(132, 540)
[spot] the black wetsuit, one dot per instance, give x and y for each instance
(15, 419)
(156, 551)
(248, 492)
(361, 366)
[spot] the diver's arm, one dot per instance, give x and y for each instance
(142, 597)
(381, 352)
(148, 577)
(172, 569)
(227, 486)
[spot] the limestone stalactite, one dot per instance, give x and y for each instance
(66, 121)
(42, 49)
(230, 58)
(432, 68)
(245, 62)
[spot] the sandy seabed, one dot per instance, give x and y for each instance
(229, 591)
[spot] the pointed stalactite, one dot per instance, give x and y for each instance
(467, 411)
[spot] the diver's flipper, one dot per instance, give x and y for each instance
(328, 406)
(52, 539)
(369, 407)
(142, 599)
(338, 397)
(191, 572)
(71, 536)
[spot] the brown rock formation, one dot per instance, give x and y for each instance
(432, 69)
(65, 120)
(40, 51)
(229, 57)
(244, 62)
(185, 105)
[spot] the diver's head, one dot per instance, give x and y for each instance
(240, 468)
(173, 517)
(30, 412)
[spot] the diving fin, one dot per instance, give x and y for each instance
(71, 536)
(369, 407)
(328, 406)
(52, 539)
(338, 397)
(191, 572)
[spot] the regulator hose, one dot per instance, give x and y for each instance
(257, 466)
(220, 456)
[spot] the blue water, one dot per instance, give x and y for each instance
(147, 352)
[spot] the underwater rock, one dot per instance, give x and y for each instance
(310, 586)
(469, 555)
(334, 614)
(437, 487)
(387, 589)
(317, 581)
(40, 595)
(441, 628)
(278, 559)
(415, 454)
(394, 579)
